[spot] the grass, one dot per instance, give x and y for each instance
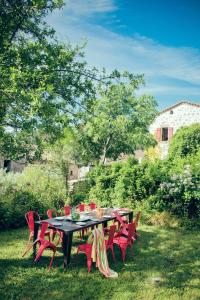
(172, 255)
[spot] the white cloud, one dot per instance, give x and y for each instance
(137, 54)
(88, 7)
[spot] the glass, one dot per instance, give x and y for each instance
(74, 214)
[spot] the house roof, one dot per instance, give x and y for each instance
(177, 104)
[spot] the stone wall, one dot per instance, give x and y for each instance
(183, 114)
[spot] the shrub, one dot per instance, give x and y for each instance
(35, 189)
(180, 195)
(124, 183)
(185, 142)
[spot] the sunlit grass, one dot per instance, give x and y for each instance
(171, 255)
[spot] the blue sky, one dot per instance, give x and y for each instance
(157, 38)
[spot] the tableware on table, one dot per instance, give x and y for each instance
(107, 216)
(59, 218)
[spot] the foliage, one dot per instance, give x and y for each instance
(117, 121)
(168, 254)
(125, 183)
(62, 153)
(153, 153)
(80, 193)
(25, 17)
(185, 142)
(35, 189)
(41, 79)
(181, 195)
(161, 188)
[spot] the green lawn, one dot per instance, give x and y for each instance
(171, 255)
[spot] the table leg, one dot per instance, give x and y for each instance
(105, 224)
(130, 217)
(66, 246)
(36, 228)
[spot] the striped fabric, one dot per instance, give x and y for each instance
(99, 254)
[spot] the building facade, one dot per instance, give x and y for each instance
(171, 119)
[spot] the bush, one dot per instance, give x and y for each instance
(185, 142)
(35, 189)
(80, 193)
(180, 195)
(121, 184)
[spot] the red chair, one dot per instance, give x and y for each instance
(81, 207)
(124, 242)
(109, 241)
(44, 244)
(51, 213)
(92, 206)
(123, 228)
(87, 248)
(67, 210)
(30, 217)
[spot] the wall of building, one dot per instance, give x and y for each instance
(184, 114)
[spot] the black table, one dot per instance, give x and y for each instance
(69, 227)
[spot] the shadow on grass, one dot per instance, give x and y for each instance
(169, 254)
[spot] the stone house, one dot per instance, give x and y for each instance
(10, 165)
(167, 122)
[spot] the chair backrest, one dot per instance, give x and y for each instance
(81, 207)
(51, 212)
(111, 234)
(67, 210)
(44, 227)
(131, 231)
(119, 218)
(30, 218)
(92, 205)
(137, 217)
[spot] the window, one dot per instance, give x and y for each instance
(7, 165)
(71, 173)
(165, 134)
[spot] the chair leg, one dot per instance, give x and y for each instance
(25, 251)
(113, 254)
(39, 254)
(123, 251)
(29, 248)
(51, 262)
(89, 263)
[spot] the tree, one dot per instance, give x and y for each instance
(118, 121)
(24, 17)
(185, 142)
(42, 83)
(60, 155)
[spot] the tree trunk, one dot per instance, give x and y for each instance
(105, 149)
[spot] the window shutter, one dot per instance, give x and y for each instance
(158, 134)
(170, 132)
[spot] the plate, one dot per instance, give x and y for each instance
(56, 223)
(95, 220)
(80, 223)
(107, 216)
(59, 218)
